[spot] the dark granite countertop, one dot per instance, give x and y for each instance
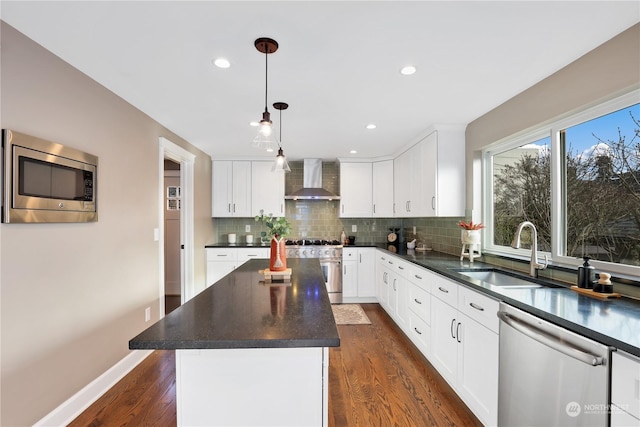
(614, 322)
(240, 311)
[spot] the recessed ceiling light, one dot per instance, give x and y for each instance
(353, 152)
(254, 124)
(221, 63)
(371, 126)
(408, 70)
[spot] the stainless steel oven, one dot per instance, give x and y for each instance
(329, 253)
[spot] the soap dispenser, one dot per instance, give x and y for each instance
(586, 274)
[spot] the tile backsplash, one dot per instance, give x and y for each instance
(319, 219)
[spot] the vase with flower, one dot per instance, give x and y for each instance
(277, 229)
(471, 238)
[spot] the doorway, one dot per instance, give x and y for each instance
(176, 248)
(172, 241)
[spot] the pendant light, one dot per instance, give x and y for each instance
(280, 164)
(266, 138)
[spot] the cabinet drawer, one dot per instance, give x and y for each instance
(625, 382)
(446, 291)
(349, 254)
(222, 254)
(245, 254)
(479, 307)
(419, 333)
(422, 277)
(403, 268)
(420, 302)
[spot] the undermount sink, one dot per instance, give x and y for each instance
(501, 279)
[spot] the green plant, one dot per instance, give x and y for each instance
(278, 227)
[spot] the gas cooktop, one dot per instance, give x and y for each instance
(312, 242)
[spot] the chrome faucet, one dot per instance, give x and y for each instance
(534, 265)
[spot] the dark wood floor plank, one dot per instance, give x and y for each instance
(376, 378)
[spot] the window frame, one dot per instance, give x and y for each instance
(552, 129)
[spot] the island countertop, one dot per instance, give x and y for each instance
(242, 311)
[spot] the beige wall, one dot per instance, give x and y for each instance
(72, 295)
(607, 71)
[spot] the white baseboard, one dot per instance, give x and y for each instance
(76, 404)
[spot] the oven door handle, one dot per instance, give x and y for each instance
(550, 340)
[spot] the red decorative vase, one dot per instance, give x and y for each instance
(278, 258)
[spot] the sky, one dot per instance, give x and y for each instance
(580, 137)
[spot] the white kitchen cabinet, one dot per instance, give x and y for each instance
(625, 389)
(355, 190)
(382, 280)
(267, 189)
(402, 183)
(419, 304)
(429, 178)
(382, 189)
(349, 273)
(222, 261)
(464, 345)
(231, 188)
(358, 274)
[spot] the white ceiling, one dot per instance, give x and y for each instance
(337, 66)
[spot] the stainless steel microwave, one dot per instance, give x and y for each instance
(47, 182)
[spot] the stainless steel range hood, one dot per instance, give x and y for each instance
(312, 183)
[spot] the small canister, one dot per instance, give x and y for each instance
(604, 284)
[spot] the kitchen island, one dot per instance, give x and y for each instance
(250, 352)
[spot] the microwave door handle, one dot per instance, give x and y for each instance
(549, 340)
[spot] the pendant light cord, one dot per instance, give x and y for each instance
(266, 75)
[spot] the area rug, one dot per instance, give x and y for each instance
(349, 314)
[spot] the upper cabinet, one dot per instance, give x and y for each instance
(355, 190)
(382, 189)
(242, 188)
(267, 189)
(429, 178)
(231, 188)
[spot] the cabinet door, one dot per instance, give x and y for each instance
(444, 346)
(401, 307)
(477, 376)
(222, 188)
(349, 278)
(355, 190)
(424, 167)
(267, 189)
(216, 270)
(366, 272)
(241, 189)
(382, 189)
(402, 184)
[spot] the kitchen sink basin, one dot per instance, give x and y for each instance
(501, 279)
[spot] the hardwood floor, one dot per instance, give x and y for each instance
(376, 378)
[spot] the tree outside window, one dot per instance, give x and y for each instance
(599, 187)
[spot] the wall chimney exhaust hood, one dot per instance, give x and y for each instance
(312, 183)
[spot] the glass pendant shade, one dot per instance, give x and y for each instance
(265, 138)
(281, 164)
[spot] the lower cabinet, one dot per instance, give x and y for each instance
(625, 386)
(358, 275)
(455, 327)
(465, 346)
(222, 261)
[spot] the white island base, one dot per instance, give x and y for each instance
(252, 387)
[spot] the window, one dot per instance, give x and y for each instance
(578, 180)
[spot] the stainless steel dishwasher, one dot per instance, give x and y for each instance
(550, 376)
